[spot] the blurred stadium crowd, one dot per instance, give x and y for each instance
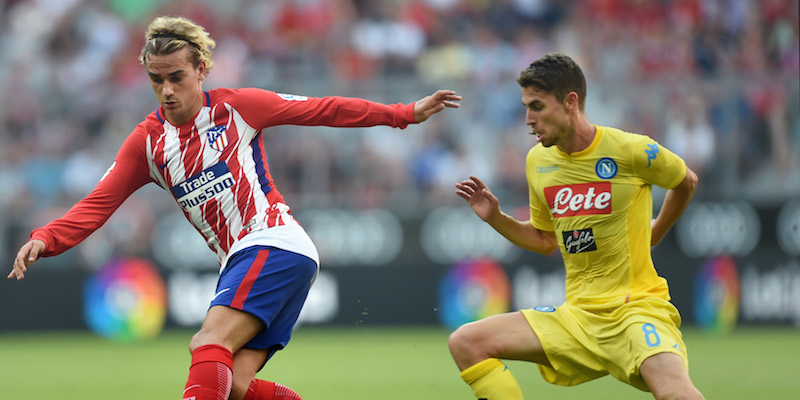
(714, 80)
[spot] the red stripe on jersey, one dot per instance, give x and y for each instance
(159, 157)
(214, 217)
(280, 220)
(225, 239)
(192, 151)
(245, 202)
(272, 217)
(249, 279)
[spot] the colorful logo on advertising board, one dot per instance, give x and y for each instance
(473, 290)
(716, 295)
(126, 300)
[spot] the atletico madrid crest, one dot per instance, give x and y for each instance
(218, 137)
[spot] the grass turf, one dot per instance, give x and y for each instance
(368, 363)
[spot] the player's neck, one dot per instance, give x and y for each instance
(582, 137)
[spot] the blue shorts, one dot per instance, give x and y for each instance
(271, 284)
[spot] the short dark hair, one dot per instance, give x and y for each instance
(557, 74)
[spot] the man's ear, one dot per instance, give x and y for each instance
(202, 71)
(572, 102)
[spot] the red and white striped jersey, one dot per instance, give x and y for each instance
(215, 167)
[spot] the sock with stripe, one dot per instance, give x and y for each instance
(490, 379)
(265, 390)
(210, 375)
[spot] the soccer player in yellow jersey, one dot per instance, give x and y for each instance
(590, 197)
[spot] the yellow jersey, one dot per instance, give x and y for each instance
(598, 201)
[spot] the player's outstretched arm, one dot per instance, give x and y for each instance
(487, 207)
(26, 256)
(675, 202)
(429, 105)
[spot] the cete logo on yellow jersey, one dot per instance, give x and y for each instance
(579, 199)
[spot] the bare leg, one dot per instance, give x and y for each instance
(246, 362)
(505, 336)
(667, 378)
(223, 332)
(227, 327)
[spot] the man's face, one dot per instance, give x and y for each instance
(547, 117)
(177, 85)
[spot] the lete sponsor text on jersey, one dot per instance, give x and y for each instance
(579, 199)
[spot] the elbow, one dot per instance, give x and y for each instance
(691, 181)
(546, 251)
(546, 248)
(536, 240)
(549, 249)
(547, 242)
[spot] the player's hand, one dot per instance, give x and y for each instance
(479, 197)
(434, 103)
(26, 256)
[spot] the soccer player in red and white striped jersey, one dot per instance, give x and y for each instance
(206, 149)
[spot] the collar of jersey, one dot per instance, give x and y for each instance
(595, 142)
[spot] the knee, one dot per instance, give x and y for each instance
(466, 346)
(201, 338)
(459, 340)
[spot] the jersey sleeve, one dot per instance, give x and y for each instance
(263, 108)
(127, 173)
(657, 165)
(540, 211)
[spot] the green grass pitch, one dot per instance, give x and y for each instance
(369, 363)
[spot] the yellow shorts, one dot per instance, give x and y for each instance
(583, 345)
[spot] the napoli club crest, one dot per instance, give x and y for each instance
(218, 137)
(606, 168)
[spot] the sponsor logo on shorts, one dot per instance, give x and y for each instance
(219, 293)
(579, 199)
(579, 241)
(544, 308)
(203, 187)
